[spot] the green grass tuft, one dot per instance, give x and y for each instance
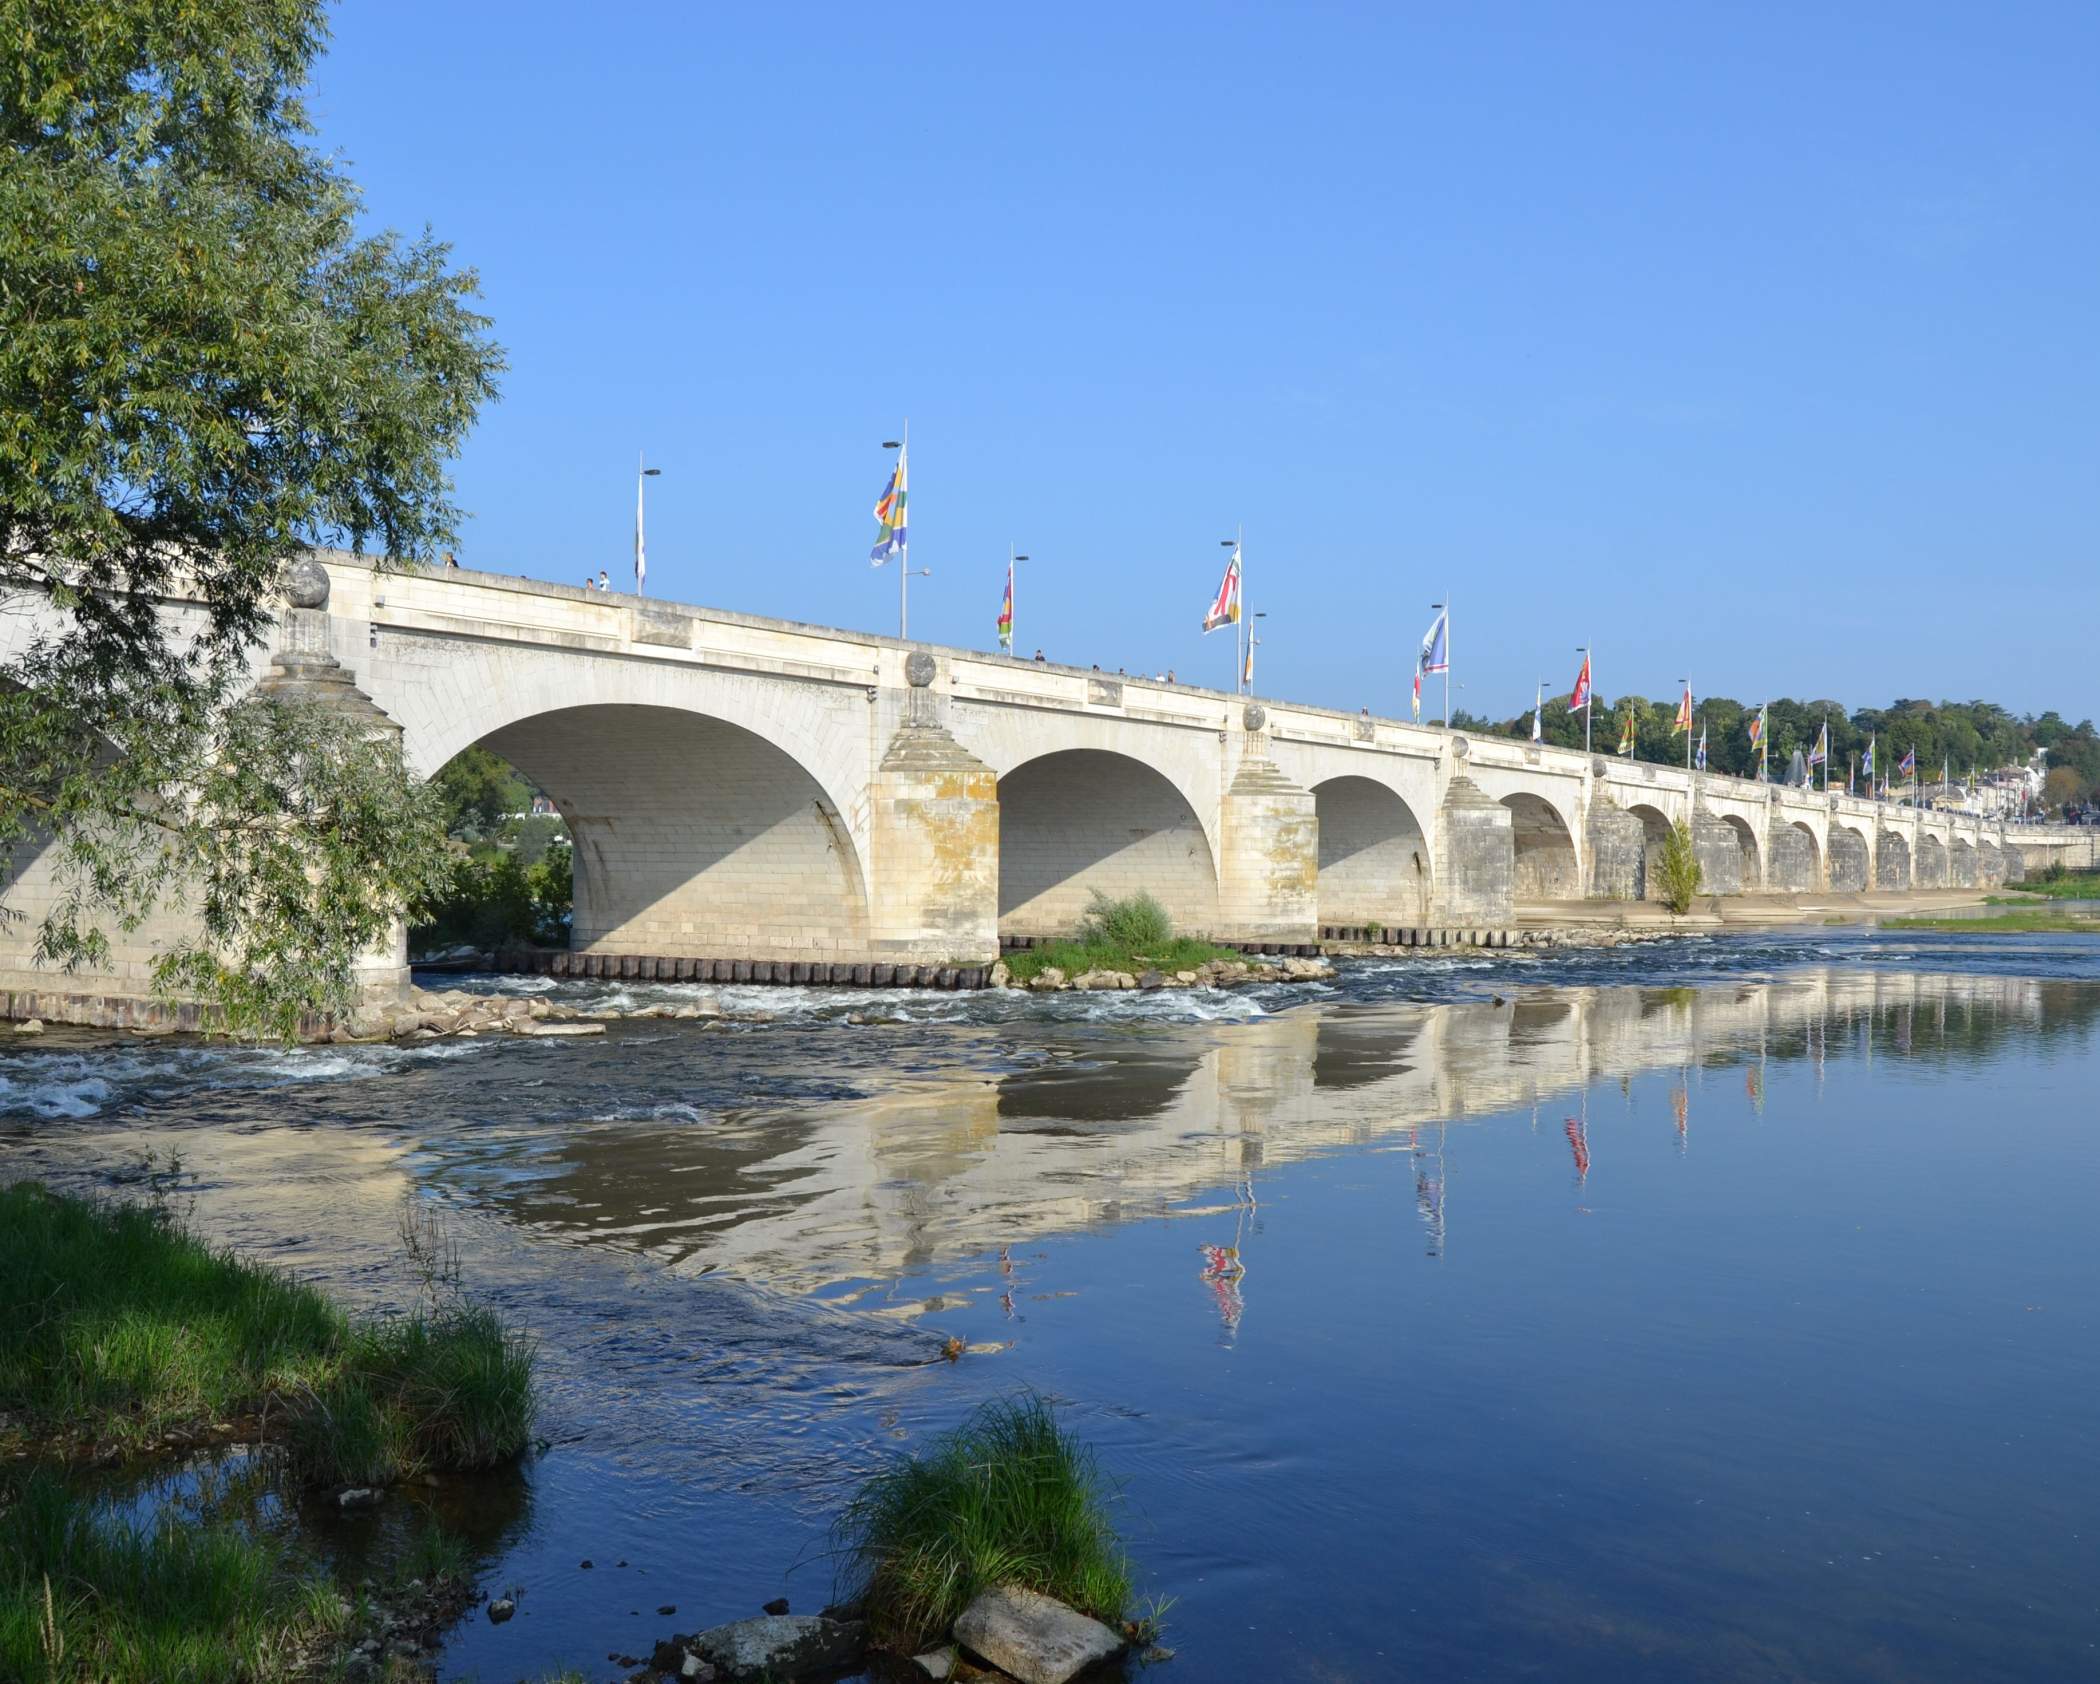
(1007, 1498)
(1136, 922)
(2052, 882)
(131, 1328)
(1134, 934)
(88, 1597)
(450, 1390)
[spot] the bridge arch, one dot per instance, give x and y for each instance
(692, 837)
(1892, 860)
(1655, 831)
(1961, 864)
(1850, 862)
(1930, 867)
(1746, 850)
(1080, 819)
(1546, 867)
(1795, 862)
(1374, 855)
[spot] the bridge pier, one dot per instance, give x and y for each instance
(1268, 849)
(1620, 868)
(1476, 855)
(933, 840)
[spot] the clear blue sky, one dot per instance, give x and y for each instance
(1762, 340)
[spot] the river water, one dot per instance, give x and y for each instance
(1714, 1309)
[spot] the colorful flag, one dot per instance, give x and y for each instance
(1702, 747)
(1867, 765)
(1683, 722)
(1006, 613)
(1247, 677)
(1908, 765)
(1581, 697)
(1626, 735)
(1757, 728)
(1226, 610)
(889, 516)
(1414, 702)
(1820, 754)
(1436, 646)
(1538, 709)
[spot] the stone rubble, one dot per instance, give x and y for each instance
(1032, 1637)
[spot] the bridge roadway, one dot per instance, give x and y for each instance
(739, 787)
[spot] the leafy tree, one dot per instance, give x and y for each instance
(204, 367)
(479, 790)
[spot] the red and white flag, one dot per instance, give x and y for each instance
(1226, 610)
(1581, 697)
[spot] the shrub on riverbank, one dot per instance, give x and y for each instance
(1007, 1498)
(1132, 934)
(129, 1328)
(1677, 869)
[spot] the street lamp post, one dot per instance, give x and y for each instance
(905, 570)
(1589, 695)
(1444, 608)
(642, 475)
(1684, 686)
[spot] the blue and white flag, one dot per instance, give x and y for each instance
(1538, 707)
(1436, 646)
(1702, 748)
(1867, 764)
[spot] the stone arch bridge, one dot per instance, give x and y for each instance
(745, 788)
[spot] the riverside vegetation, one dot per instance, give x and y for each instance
(1677, 868)
(145, 1343)
(1133, 934)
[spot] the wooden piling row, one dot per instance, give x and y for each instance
(631, 967)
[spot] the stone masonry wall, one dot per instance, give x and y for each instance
(1618, 854)
(1269, 855)
(1479, 857)
(1848, 861)
(1891, 860)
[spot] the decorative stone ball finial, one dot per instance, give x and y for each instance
(918, 669)
(1460, 748)
(306, 584)
(1255, 717)
(1599, 766)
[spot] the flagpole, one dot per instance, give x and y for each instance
(1447, 657)
(904, 549)
(1245, 628)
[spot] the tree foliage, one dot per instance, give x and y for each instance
(1676, 869)
(1967, 736)
(204, 368)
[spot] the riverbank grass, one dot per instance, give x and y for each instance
(2041, 921)
(1007, 1498)
(2050, 883)
(1131, 934)
(130, 1331)
(86, 1595)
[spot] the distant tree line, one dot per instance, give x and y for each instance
(1964, 735)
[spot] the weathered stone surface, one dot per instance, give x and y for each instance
(785, 1646)
(1047, 978)
(545, 1031)
(936, 1663)
(1035, 1637)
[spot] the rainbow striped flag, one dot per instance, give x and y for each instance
(889, 515)
(1006, 613)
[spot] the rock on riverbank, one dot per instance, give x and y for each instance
(427, 1016)
(1216, 973)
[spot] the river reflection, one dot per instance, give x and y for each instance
(1700, 1325)
(1102, 1125)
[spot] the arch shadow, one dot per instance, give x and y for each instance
(1545, 866)
(1374, 855)
(691, 836)
(1079, 820)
